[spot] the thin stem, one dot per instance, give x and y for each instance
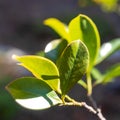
(98, 110)
(89, 83)
(93, 102)
(95, 111)
(81, 104)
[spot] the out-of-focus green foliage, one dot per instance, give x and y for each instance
(106, 5)
(8, 108)
(109, 5)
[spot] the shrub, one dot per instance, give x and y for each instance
(63, 64)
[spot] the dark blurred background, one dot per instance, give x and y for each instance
(22, 32)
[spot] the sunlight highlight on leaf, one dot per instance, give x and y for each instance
(33, 93)
(39, 103)
(105, 49)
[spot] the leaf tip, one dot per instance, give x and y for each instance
(45, 22)
(14, 57)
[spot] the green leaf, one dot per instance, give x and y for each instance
(96, 74)
(82, 83)
(33, 93)
(72, 65)
(58, 26)
(41, 68)
(54, 49)
(40, 53)
(83, 28)
(111, 73)
(108, 49)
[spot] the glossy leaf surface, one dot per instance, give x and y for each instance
(72, 65)
(33, 93)
(54, 49)
(108, 49)
(83, 28)
(42, 69)
(58, 26)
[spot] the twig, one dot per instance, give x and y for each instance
(99, 113)
(95, 110)
(93, 102)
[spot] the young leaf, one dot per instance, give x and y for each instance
(108, 49)
(41, 68)
(54, 49)
(72, 65)
(83, 28)
(58, 26)
(33, 93)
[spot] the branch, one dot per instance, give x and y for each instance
(99, 113)
(96, 111)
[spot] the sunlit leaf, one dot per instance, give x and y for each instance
(54, 49)
(108, 49)
(58, 26)
(83, 28)
(33, 93)
(41, 68)
(72, 65)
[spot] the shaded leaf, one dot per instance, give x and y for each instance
(54, 49)
(33, 93)
(72, 65)
(108, 49)
(58, 26)
(83, 28)
(42, 69)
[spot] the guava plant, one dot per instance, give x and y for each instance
(63, 64)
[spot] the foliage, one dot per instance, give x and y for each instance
(63, 64)
(106, 5)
